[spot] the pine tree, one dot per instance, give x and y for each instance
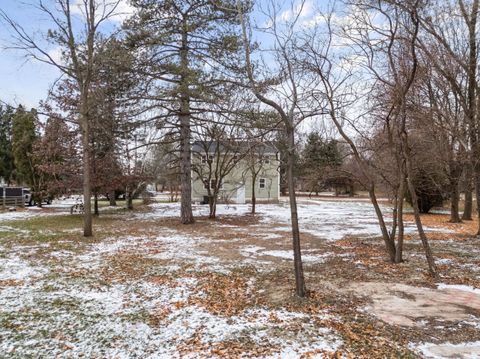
(320, 160)
(56, 157)
(188, 47)
(23, 137)
(7, 166)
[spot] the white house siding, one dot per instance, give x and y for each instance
(239, 177)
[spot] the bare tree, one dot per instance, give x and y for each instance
(390, 58)
(451, 46)
(216, 153)
(79, 46)
(283, 86)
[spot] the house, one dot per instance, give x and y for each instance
(233, 171)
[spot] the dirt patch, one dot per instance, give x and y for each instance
(404, 305)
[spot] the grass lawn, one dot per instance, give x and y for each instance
(148, 287)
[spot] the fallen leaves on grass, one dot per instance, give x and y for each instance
(11, 283)
(223, 294)
(462, 230)
(228, 349)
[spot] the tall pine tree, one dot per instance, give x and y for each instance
(187, 47)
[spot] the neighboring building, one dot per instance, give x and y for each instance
(236, 165)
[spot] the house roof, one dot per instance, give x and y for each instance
(233, 146)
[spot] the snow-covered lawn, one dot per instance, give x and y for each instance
(330, 220)
(147, 287)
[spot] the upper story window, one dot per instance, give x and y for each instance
(266, 160)
(262, 183)
(204, 159)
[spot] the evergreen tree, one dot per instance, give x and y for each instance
(7, 166)
(320, 161)
(23, 137)
(187, 47)
(56, 157)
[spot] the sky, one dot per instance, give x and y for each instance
(26, 81)
(22, 82)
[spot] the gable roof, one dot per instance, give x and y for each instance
(233, 146)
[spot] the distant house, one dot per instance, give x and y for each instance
(241, 167)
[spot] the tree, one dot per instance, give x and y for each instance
(56, 157)
(165, 167)
(23, 136)
(187, 47)
(216, 154)
(282, 86)
(380, 71)
(427, 189)
(450, 45)
(113, 86)
(256, 162)
(78, 39)
(321, 161)
(7, 165)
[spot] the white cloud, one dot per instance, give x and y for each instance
(57, 55)
(121, 9)
(301, 10)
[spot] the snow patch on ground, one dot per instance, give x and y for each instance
(465, 288)
(72, 318)
(24, 214)
(448, 350)
(14, 268)
(319, 218)
(318, 258)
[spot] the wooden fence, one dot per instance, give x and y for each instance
(11, 197)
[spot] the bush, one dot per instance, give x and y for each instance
(428, 190)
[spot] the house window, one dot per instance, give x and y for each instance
(204, 158)
(262, 182)
(266, 160)
(205, 184)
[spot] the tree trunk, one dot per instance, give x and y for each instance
(129, 199)
(95, 204)
(454, 201)
(185, 134)
(455, 172)
(468, 206)
(399, 213)
(212, 206)
(477, 196)
(416, 212)
(87, 191)
(112, 199)
(297, 255)
(254, 198)
(472, 100)
(469, 188)
(389, 242)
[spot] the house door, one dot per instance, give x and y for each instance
(241, 195)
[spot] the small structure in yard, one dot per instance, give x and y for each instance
(238, 171)
(11, 197)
